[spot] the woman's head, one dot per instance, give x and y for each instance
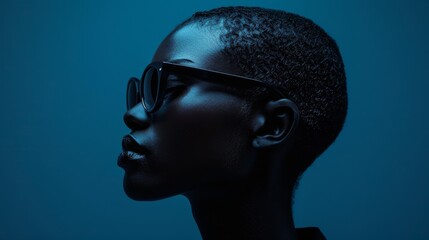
(207, 135)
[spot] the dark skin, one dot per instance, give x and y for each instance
(232, 166)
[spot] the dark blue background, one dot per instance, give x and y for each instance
(63, 71)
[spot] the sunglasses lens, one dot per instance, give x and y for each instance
(150, 88)
(132, 93)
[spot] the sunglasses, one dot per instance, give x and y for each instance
(150, 90)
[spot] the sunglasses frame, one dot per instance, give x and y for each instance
(163, 68)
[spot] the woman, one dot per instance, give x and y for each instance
(235, 105)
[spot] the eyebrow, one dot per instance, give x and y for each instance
(179, 60)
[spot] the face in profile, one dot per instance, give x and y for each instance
(200, 136)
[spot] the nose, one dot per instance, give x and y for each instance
(137, 118)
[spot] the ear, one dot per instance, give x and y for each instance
(276, 123)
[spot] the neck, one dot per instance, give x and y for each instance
(253, 210)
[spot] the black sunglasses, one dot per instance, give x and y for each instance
(151, 88)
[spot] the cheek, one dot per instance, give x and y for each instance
(203, 135)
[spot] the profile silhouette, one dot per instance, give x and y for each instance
(235, 105)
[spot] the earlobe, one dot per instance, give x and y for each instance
(277, 124)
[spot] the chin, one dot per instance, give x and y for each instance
(140, 189)
(140, 196)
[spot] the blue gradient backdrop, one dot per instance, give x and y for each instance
(63, 71)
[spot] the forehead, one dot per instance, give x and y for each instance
(200, 44)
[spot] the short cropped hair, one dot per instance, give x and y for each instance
(295, 55)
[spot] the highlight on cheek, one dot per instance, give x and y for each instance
(205, 98)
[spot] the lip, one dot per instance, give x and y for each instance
(131, 160)
(129, 144)
(133, 156)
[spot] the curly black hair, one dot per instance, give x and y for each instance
(294, 54)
